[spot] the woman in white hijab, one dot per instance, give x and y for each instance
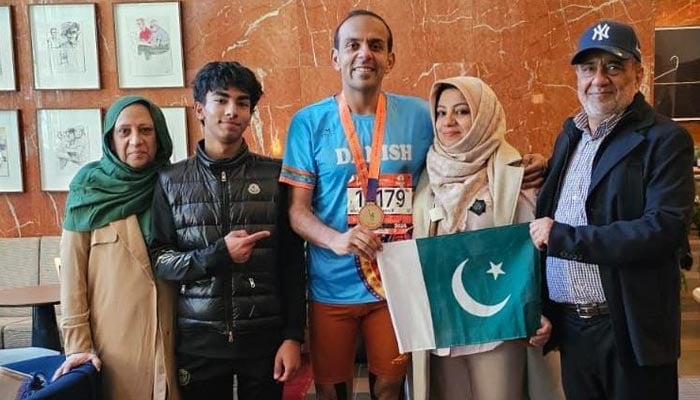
(473, 182)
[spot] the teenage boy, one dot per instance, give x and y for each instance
(221, 231)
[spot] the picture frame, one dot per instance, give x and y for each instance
(677, 72)
(64, 46)
(176, 120)
(148, 40)
(7, 53)
(10, 152)
(68, 139)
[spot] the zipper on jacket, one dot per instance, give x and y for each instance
(228, 284)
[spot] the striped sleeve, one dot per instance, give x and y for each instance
(297, 177)
(298, 164)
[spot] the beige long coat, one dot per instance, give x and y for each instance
(112, 305)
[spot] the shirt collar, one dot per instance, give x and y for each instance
(605, 127)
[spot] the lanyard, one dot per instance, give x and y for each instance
(369, 179)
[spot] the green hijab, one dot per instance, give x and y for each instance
(107, 190)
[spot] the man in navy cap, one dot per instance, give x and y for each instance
(613, 218)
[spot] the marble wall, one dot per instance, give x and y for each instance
(521, 48)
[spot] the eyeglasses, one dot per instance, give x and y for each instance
(606, 67)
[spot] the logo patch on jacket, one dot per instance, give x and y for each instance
(183, 376)
(254, 188)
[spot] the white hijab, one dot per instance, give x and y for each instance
(459, 171)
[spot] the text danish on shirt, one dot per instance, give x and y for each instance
(390, 152)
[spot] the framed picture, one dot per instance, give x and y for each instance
(7, 54)
(176, 119)
(68, 139)
(677, 72)
(149, 44)
(64, 46)
(10, 156)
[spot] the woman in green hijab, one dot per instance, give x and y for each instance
(114, 313)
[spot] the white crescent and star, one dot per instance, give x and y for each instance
(495, 270)
(467, 302)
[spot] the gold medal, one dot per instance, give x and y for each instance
(370, 216)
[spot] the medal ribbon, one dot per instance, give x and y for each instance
(369, 179)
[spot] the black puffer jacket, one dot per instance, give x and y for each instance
(228, 310)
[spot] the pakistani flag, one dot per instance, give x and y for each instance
(464, 288)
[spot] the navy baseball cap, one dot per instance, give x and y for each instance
(614, 37)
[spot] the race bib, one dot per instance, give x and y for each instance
(395, 198)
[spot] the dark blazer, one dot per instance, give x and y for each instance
(638, 207)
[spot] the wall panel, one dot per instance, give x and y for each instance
(521, 48)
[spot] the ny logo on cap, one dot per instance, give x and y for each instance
(601, 32)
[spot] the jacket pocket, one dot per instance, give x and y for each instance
(102, 236)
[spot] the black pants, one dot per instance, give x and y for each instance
(591, 367)
(213, 379)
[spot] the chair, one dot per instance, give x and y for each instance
(82, 383)
(30, 370)
(14, 355)
(8, 356)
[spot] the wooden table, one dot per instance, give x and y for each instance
(42, 299)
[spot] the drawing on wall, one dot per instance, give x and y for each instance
(4, 158)
(10, 157)
(152, 46)
(66, 49)
(71, 147)
(149, 50)
(64, 46)
(68, 139)
(677, 72)
(7, 56)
